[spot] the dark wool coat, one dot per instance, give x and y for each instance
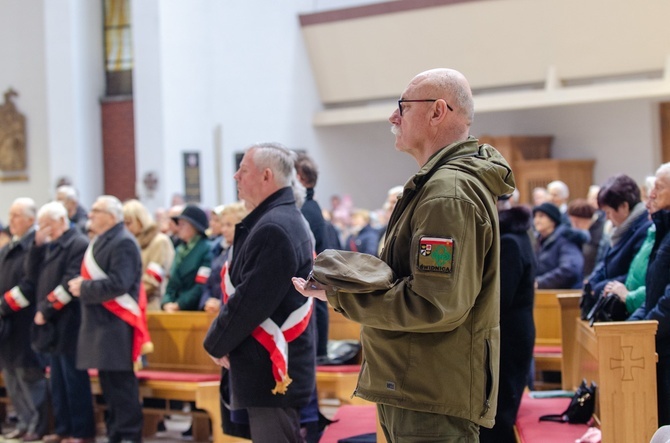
(517, 328)
(657, 300)
(616, 262)
(271, 245)
(105, 341)
(52, 265)
(312, 212)
(15, 350)
(560, 263)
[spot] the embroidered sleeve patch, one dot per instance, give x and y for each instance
(436, 254)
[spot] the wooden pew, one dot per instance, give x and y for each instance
(547, 317)
(177, 339)
(621, 358)
(341, 385)
(339, 382)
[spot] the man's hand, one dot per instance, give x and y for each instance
(224, 361)
(212, 305)
(300, 283)
(42, 235)
(74, 286)
(171, 307)
(39, 319)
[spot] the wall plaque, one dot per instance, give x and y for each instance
(13, 158)
(192, 177)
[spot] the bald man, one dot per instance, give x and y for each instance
(431, 337)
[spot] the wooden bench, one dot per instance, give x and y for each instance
(621, 358)
(339, 382)
(547, 354)
(179, 369)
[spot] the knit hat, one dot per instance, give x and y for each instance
(195, 216)
(550, 210)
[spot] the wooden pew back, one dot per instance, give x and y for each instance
(341, 328)
(621, 358)
(177, 339)
(547, 316)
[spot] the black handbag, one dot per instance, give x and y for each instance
(587, 301)
(608, 308)
(581, 407)
(341, 352)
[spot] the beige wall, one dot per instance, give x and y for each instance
(495, 43)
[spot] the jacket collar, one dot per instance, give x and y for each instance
(284, 196)
(109, 234)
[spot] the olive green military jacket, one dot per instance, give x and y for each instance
(431, 340)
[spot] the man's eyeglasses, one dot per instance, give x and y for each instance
(402, 100)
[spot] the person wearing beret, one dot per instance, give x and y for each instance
(192, 262)
(560, 262)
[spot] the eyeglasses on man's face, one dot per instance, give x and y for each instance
(403, 100)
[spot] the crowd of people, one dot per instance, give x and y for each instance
(462, 255)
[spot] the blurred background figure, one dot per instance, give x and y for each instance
(540, 195)
(156, 248)
(192, 263)
(560, 263)
(229, 215)
(69, 197)
(559, 193)
(585, 218)
(363, 237)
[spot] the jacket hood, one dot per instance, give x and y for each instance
(482, 161)
(515, 220)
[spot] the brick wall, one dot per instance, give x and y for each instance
(118, 147)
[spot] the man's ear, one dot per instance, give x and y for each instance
(440, 111)
(268, 176)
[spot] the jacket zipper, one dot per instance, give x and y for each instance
(489, 378)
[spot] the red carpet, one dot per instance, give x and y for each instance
(531, 430)
(353, 420)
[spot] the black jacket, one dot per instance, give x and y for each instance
(105, 341)
(271, 245)
(560, 262)
(53, 265)
(517, 328)
(15, 350)
(657, 300)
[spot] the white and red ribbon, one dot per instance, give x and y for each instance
(59, 297)
(272, 337)
(15, 299)
(123, 306)
(202, 275)
(156, 271)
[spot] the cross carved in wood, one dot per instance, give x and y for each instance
(627, 363)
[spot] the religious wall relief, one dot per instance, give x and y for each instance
(13, 158)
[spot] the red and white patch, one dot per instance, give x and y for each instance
(156, 271)
(15, 299)
(202, 275)
(59, 297)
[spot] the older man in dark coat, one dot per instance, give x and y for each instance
(54, 259)
(657, 301)
(111, 276)
(264, 315)
(22, 371)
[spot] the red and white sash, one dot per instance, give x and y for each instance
(123, 306)
(272, 337)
